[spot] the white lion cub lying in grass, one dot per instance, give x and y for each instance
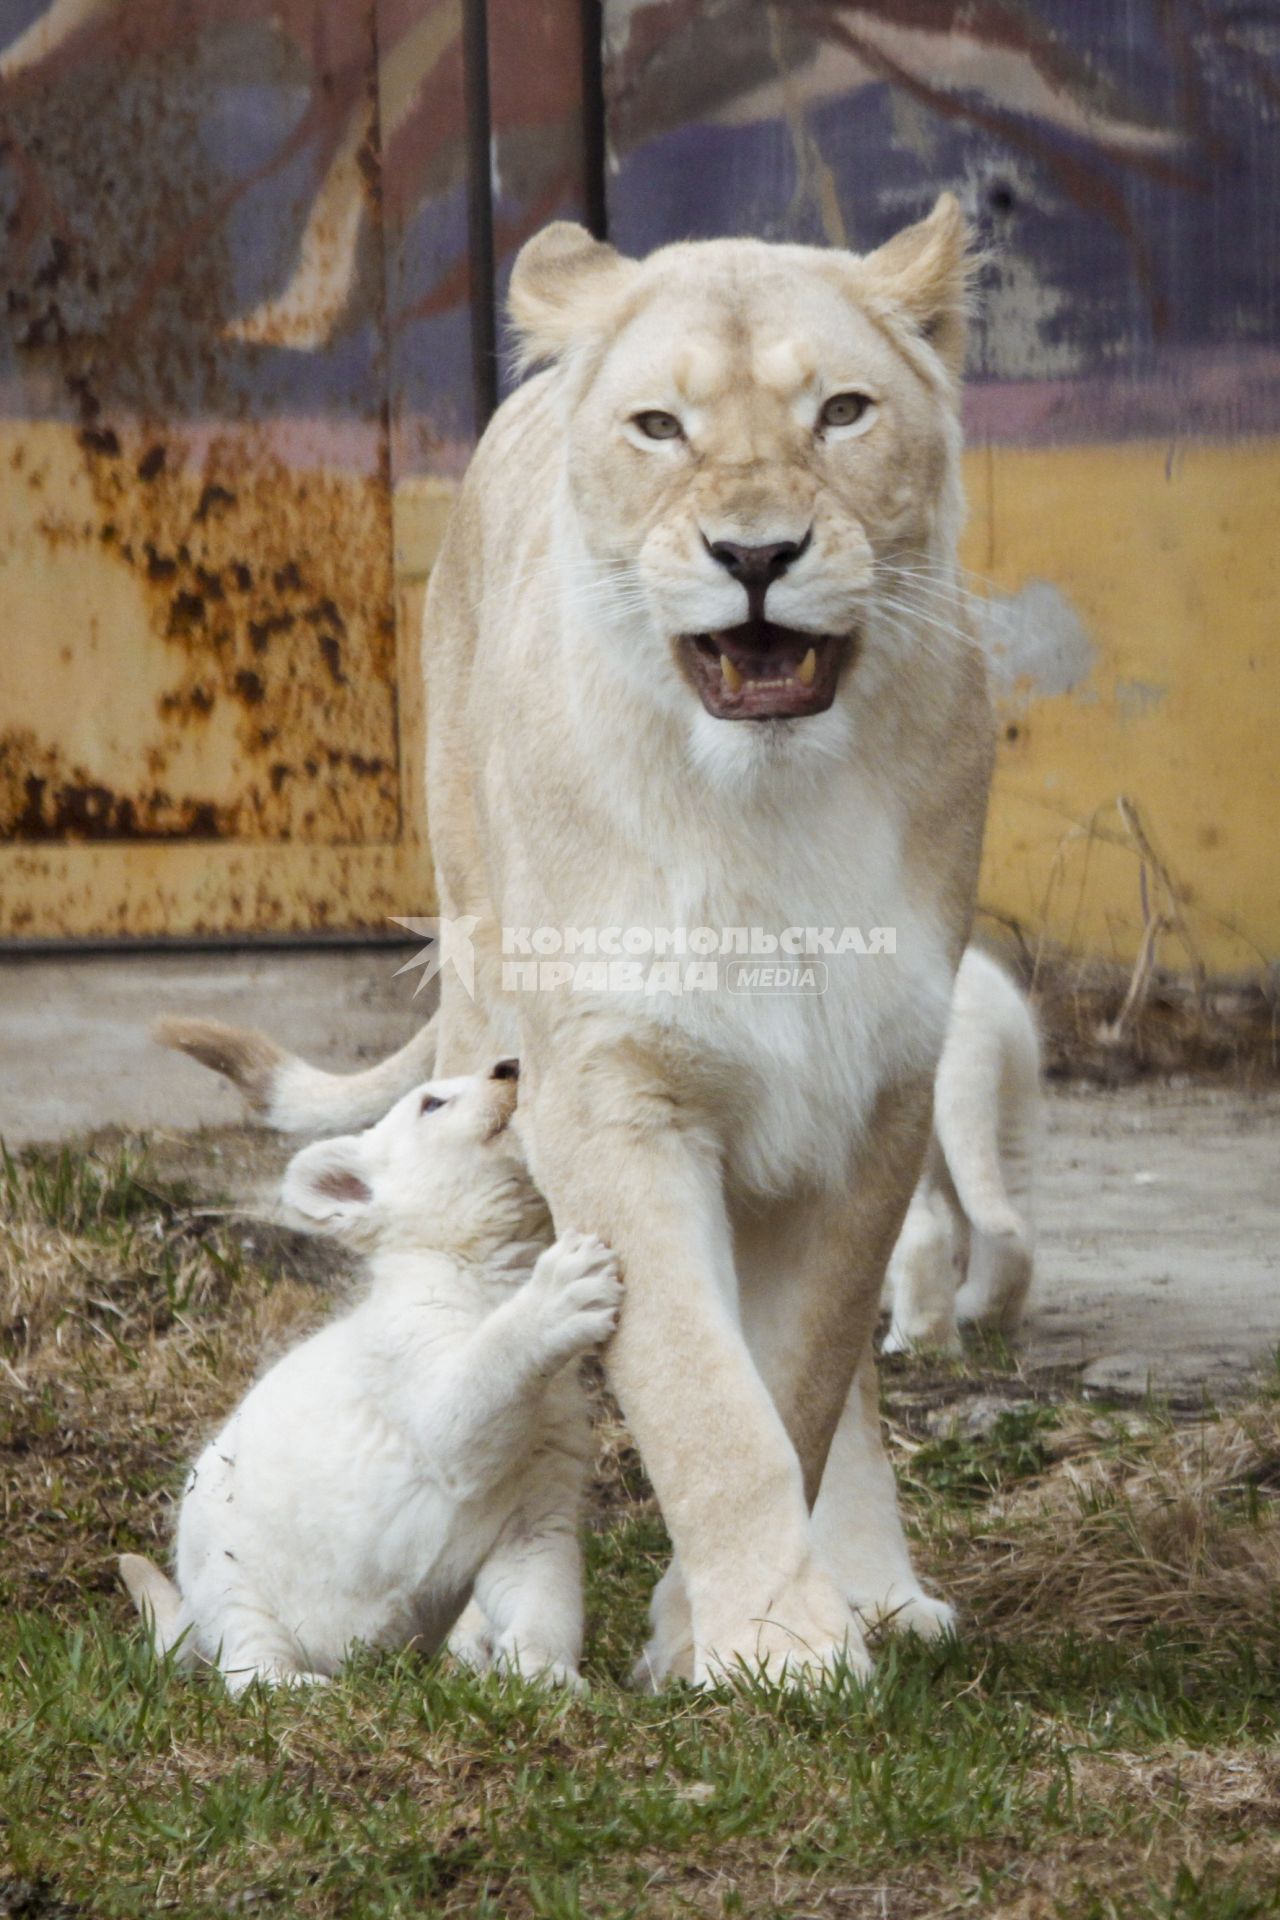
(432, 1442)
(965, 1250)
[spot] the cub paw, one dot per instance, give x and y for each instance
(471, 1641)
(576, 1292)
(931, 1339)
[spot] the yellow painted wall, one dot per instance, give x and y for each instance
(1165, 754)
(1171, 559)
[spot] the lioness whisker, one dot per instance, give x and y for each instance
(543, 571)
(926, 565)
(940, 588)
(907, 612)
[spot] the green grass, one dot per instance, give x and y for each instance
(1060, 1762)
(972, 1467)
(954, 1779)
(83, 1193)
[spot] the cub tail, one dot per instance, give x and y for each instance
(160, 1605)
(288, 1093)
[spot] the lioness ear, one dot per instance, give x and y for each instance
(926, 270)
(564, 284)
(328, 1184)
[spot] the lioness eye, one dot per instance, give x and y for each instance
(658, 426)
(430, 1103)
(844, 409)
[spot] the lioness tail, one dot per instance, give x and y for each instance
(287, 1092)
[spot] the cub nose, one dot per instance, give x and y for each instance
(506, 1070)
(756, 566)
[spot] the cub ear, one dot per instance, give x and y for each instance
(329, 1184)
(564, 285)
(927, 271)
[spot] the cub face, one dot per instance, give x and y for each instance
(753, 429)
(443, 1170)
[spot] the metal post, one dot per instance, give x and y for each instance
(484, 333)
(594, 200)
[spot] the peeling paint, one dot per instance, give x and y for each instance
(1024, 323)
(1036, 641)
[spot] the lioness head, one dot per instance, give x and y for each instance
(752, 431)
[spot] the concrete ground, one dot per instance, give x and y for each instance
(1158, 1222)
(74, 1051)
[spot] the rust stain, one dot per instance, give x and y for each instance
(270, 597)
(43, 797)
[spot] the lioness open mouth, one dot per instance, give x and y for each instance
(758, 671)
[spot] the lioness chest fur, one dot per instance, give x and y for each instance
(432, 1440)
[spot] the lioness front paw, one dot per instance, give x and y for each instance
(806, 1634)
(902, 1609)
(576, 1292)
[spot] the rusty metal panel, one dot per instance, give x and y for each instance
(198, 647)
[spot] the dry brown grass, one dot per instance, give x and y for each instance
(1111, 1023)
(1100, 1021)
(1110, 1020)
(1135, 1525)
(129, 1323)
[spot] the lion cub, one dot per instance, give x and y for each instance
(431, 1442)
(965, 1250)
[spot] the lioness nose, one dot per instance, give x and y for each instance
(756, 566)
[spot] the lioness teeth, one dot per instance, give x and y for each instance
(732, 678)
(806, 672)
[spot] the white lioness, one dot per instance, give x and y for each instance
(432, 1441)
(697, 659)
(966, 1251)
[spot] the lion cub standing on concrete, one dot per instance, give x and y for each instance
(965, 1249)
(432, 1442)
